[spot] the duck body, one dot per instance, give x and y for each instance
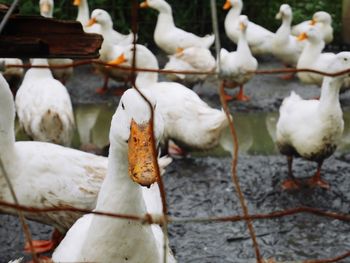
(312, 128)
(259, 38)
(322, 20)
(285, 46)
(167, 36)
(195, 59)
(44, 107)
(188, 120)
(103, 239)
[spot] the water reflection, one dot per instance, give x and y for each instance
(256, 131)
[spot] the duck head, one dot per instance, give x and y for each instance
(285, 11)
(46, 8)
(100, 16)
(313, 35)
(340, 62)
(132, 129)
(243, 22)
(321, 17)
(232, 4)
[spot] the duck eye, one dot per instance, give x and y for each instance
(345, 59)
(123, 107)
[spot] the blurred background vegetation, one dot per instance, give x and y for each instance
(195, 15)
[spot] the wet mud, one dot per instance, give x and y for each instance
(201, 186)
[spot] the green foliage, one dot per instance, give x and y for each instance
(194, 15)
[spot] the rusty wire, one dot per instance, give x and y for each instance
(165, 219)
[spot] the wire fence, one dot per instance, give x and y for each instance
(163, 220)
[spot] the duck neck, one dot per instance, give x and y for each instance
(283, 33)
(242, 48)
(7, 119)
(118, 182)
(165, 17)
(38, 72)
(83, 12)
(146, 79)
(329, 99)
(311, 51)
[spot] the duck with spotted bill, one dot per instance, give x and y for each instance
(47, 175)
(312, 129)
(131, 169)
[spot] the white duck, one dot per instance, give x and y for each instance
(167, 36)
(106, 28)
(196, 59)
(285, 46)
(189, 121)
(64, 74)
(109, 50)
(13, 75)
(313, 58)
(47, 175)
(312, 128)
(96, 238)
(44, 107)
(259, 38)
(237, 67)
(83, 16)
(321, 19)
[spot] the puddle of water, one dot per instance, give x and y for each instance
(256, 131)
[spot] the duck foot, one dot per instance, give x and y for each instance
(42, 259)
(291, 184)
(176, 151)
(287, 76)
(241, 96)
(43, 246)
(119, 91)
(316, 181)
(102, 90)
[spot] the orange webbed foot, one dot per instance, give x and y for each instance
(291, 184)
(318, 182)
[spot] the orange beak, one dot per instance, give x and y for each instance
(140, 154)
(242, 26)
(302, 36)
(45, 7)
(76, 3)
(227, 5)
(179, 52)
(119, 60)
(144, 4)
(313, 22)
(91, 22)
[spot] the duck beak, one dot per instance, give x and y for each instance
(242, 26)
(302, 36)
(144, 4)
(45, 7)
(119, 60)
(76, 3)
(279, 15)
(91, 22)
(179, 52)
(313, 22)
(140, 154)
(227, 5)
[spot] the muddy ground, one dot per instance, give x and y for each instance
(201, 187)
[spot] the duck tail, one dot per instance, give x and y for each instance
(208, 40)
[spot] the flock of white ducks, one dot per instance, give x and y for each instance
(62, 176)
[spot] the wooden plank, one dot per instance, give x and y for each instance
(346, 21)
(36, 36)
